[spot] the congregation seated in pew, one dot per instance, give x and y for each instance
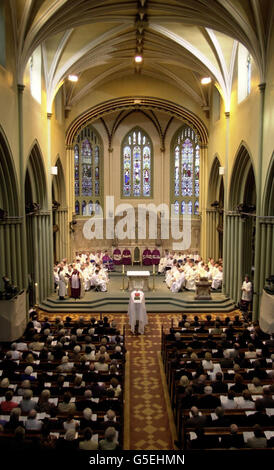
(220, 379)
(62, 394)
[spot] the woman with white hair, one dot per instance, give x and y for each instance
(65, 365)
(109, 442)
(86, 421)
(27, 403)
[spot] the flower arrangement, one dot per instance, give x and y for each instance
(137, 296)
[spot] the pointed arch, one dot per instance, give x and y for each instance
(36, 176)
(215, 181)
(268, 197)
(242, 174)
(137, 164)
(185, 169)
(59, 184)
(8, 179)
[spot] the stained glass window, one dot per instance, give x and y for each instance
(87, 171)
(136, 165)
(186, 173)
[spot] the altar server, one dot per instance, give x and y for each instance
(217, 279)
(62, 283)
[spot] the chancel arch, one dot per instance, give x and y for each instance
(59, 214)
(215, 211)
(240, 224)
(10, 223)
(38, 227)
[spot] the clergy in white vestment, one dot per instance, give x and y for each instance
(99, 280)
(62, 283)
(179, 281)
(217, 279)
(247, 290)
(162, 265)
(55, 277)
(137, 311)
(191, 277)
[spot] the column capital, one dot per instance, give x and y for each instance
(204, 146)
(163, 149)
(20, 87)
(227, 114)
(49, 115)
(262, 86)
(110, 149)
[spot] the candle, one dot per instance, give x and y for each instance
(153, 268)
(123, 272)
(35, 293)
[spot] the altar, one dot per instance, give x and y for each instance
(138, 280)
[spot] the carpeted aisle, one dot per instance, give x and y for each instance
(148, 418)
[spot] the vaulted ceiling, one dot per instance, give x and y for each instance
(181, 41)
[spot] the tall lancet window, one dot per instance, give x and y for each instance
(136, 165)
(185, 186)
(87, 172)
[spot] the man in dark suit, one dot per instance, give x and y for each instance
(208, 401)
(197, 419)
(222, 420)
(267, 400)
(219, 386)
(233, 439)
(195, 343)
(204, 441)
(260, 417)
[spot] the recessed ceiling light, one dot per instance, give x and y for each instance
(206, 80)
(138, 58)
(73, 78)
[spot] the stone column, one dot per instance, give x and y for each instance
(23, 237)
(257, 284)
(49, 285)
(202, 201)
(225, 243)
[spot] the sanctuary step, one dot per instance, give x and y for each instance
(118, 302)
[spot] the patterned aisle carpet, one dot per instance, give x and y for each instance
(150, 425)
(148, 419)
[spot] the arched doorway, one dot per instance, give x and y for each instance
(59, 214)
(215, 212)
(240, 224)
(38, 230)
(10, 223)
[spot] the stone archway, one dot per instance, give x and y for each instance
(38, 229)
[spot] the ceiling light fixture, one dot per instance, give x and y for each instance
(206, 80)
(138, 58)
(73, 78)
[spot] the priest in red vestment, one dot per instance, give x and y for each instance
(126, 257)
(156, 256)
(75, 284)
(147, 257)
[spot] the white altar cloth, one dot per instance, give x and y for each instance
(138, 280)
